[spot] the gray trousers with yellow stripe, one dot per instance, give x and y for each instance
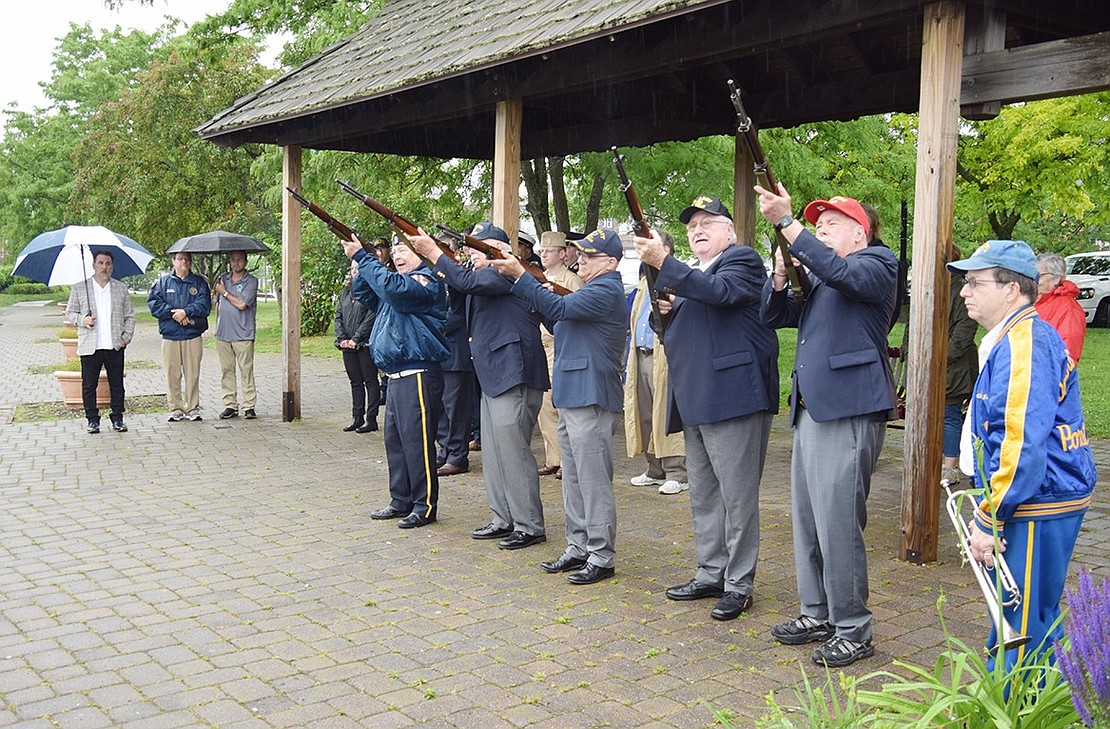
(412, 410)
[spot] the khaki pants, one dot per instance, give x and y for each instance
(241, 355)
(548, 420)
(182, 360)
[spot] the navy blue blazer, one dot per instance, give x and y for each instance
(504, 330)
(458, 338)
(723, 362)
(590, 325)
(841, 368)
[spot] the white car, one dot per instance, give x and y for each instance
(1091, 273)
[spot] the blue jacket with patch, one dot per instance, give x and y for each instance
(408, 331)
(1027, 417)
(191, 294)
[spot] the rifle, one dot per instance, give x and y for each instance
(408, 228)
(397, 221)
(640, 228)
(493, 252)
(798, 281)
(454, 235)
(341, 231)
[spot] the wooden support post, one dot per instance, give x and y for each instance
(291, 286)
(941, 64)
(985, 31)
(743, 197)
(506, 167)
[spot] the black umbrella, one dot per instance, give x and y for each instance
(218, 241)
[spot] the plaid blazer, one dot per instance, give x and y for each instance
(123, 315)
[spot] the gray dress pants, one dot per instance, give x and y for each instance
(512, 483)
(586, 445)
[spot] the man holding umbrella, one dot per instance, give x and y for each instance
(235, 325)
(105, 319)
(181, 302)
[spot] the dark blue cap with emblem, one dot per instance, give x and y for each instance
(706, 203)
(602, 241)
(486, 230)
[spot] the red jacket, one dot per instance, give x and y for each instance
(1060, 309)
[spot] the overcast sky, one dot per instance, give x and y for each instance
(30, 30)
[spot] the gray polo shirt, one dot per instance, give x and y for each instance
(233, 325)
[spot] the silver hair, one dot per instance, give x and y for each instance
(1052, 263)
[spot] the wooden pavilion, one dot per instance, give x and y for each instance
(507, 80)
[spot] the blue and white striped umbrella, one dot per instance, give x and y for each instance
(65, 256)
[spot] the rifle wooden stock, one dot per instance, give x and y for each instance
(799, 283)
(397, 221)
(341, 231)
(640, 228)
(494, 252)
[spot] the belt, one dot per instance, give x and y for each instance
(404, 373)
(645, 350)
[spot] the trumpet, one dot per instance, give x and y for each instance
(1009, 637)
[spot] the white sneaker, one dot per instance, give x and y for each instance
(952, 475)
(176, 416)
(644, 480)
(673, 487)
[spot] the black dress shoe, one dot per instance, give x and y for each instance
(355, 425)
(368, 427)
(731, 605)
(693, 590)
(590, 574)
(489, 531)
(388, 513)
(565, 563)
(520, 540)
(414, 520)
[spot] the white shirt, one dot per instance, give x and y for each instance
(967, 455)
(103, 296)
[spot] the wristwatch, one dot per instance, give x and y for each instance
(784, 221)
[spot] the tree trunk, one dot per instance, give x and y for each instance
(593, 207)
(559, 193)
(1003, 224)
(534, 173)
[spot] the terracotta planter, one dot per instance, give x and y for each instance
(71, 389)
(69, 347)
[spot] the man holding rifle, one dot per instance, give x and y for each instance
(589, 329)
(512, 370)
(408, 344)
(841, 397)
(723, 393)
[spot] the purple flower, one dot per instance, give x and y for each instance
(1084, 659)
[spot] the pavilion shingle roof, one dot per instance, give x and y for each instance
(413, 42)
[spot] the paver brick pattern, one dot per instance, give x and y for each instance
(227, 573)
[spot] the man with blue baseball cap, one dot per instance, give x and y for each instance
(1033, 457)
(589, 327)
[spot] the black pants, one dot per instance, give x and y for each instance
(453, 437)
(412, 407)
(112, 361)
(363, 374)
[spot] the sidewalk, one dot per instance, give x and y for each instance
(227, 573)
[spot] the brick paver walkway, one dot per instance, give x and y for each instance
(227, 573)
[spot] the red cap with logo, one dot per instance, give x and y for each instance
(846, 205)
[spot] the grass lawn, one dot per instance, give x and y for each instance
(1094, 368)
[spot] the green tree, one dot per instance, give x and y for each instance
(1039, 172)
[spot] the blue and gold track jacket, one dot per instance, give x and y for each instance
(1027, 413)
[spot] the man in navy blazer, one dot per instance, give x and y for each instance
(723, 393)
(589, 327)
(512, 371)
(842, 394)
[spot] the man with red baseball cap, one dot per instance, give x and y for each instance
(841, 397)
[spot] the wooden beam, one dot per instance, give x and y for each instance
(934, 198)
(506, 166)
(985, 31)
(291, 286)
(1042, 71)
(743, 198)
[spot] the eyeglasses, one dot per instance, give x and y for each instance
(704, 224)
(974, 283)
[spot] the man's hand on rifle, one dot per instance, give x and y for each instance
(509, 266)
(425, 247)
(651, 250)
(773, 205)
(351, 247)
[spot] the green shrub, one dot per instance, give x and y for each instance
(18, 289)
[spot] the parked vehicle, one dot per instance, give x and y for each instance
(1091, 273)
